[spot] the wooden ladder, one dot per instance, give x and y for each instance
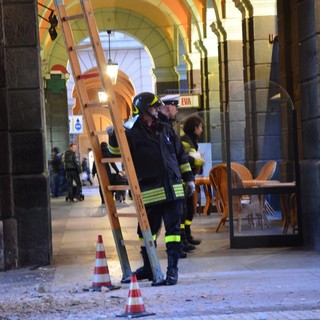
(89, 109)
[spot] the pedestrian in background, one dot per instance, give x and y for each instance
(86, 174)
(108, 166)
(73, 170)
(56, 166)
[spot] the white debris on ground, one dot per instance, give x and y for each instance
(29, 294)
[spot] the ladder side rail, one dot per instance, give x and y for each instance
(122, 141)
(115, 114)
(83, 95)
(76, 70)
(89, 123)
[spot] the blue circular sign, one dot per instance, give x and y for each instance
(78, 126)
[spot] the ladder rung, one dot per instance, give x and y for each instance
(100, 133)
(131, 242)
(73, 17)
(108, 160)
(88, 75)
(81, 46)
(119, 187)
(125, 215)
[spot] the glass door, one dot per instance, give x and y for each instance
(262, 168)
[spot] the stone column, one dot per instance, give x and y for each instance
(166, 79)
(193, 61)
(299, 29)
(261, 68)
(235, 100)
(56, 113)
(25, 218)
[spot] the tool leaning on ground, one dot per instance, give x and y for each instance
(93, 108)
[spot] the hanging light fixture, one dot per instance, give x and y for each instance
(52, 19)
(112, 68)
(103, 97)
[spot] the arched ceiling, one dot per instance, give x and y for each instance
(123, 90)
(155, 23)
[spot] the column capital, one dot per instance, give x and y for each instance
(165, 74)
(192, 60)
(199, 45)
(182, 71)
(249, 8)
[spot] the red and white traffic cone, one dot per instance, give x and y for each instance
(101, 277)
(135, 307)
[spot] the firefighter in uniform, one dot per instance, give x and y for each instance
(167, 113)
(161, 166)
(192, 128)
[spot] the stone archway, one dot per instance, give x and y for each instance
(124, 92)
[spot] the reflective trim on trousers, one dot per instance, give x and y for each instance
(173, 238)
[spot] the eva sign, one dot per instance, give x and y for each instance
(189, 101)
(75, 124)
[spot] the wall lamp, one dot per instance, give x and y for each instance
(52, 19)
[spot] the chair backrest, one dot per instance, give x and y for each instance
(219, 180)
(267, 171)
(242, 171)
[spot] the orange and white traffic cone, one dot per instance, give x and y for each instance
(101, 277)
(135, 307)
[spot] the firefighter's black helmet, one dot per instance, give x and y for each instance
(143, 101)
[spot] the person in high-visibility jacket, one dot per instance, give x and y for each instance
(161, 166)
(193, 127)
(167, 113)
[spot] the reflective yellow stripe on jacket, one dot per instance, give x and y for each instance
(185, 167)
(158, 194)
(178, 190)
(114, 150)
(154, 195)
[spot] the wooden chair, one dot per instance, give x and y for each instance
(218, 179)
(247, 210)
(289, 209)
(293, 213)
(242, 170)
(266, 173)
(244, 174)
(203, 182)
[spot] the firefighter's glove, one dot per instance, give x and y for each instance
(110, 130)
(190, 188)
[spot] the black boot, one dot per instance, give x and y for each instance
(190, 238)
(185, 243)
(144, 272)
(172, 271)
(183, 255)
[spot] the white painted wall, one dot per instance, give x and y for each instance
(131, 56)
